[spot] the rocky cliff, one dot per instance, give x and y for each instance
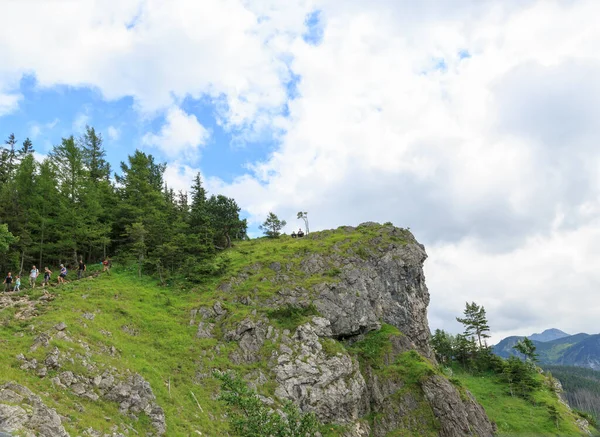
(335, 321)
(347, 288)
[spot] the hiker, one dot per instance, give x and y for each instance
(7, 282)
(82, 268)
(293, 234)
(17, 283)
(47, 274)
(63, 274)
(106, 265)
(33, 274)
(300, 233)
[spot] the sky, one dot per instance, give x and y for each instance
(475, 124)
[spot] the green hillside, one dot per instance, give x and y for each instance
(118, 326)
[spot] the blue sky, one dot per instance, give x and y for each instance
(475, 126)
(46, 115)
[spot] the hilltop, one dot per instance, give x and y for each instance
(335, 322)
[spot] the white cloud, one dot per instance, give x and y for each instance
(180, 176)
(157, 52)
(490, 157)
(80, 122)
(181, 135)
(9, 102)
(113, 133)
(38, 129)
(466, 155)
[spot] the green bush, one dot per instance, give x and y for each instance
(250, 417)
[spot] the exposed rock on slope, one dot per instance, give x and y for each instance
(347, 292)
(23, 412)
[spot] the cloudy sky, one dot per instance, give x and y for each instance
(476, 124)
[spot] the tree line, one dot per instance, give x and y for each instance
(72, 206)
(581, 387)
(471, 352)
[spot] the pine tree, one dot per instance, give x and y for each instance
(527, 348)
(26, 149)
(475, 322)
(94, 154)
(272, 226)
(225, 219)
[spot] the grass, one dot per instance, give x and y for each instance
(290, 317)
(165, 351)
(515, 416)
(373, 349)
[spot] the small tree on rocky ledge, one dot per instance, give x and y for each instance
(304, 216)
(272, 226)
(250, 417)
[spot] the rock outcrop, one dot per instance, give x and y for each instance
(377, 281)
(23, 412)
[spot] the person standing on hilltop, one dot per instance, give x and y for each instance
(7, 282)
(33, 274)
(82, 268)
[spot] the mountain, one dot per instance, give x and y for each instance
(582, 350)
(334, 322)
(548, 335)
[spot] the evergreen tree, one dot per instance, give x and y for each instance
(74, 218)
(141, 198)
(527, 348)
(94, 155)
(6, 238)
(442, 343)
(7, 159)
(225, 219)
(475, 322)
(272, 226)
(26, 149)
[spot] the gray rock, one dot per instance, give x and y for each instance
(134, 395)
(205, 330)
(332, 387)
(52, 359)
(41, 340)
(456, 417)
(67, 378)
(218, 309)
(88, 316)
(61, 326)
(31, 418)
(250, 336)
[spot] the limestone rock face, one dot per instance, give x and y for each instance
(457, 417)
(23, 412)
(386, 287)
(330, 386)
(376, 282)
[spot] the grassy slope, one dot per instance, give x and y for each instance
(515, 416)
(165, 348)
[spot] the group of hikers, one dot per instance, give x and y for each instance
(300, 234)
(34, 273)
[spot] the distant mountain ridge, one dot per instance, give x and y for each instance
(549, 335)
(558, 348)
